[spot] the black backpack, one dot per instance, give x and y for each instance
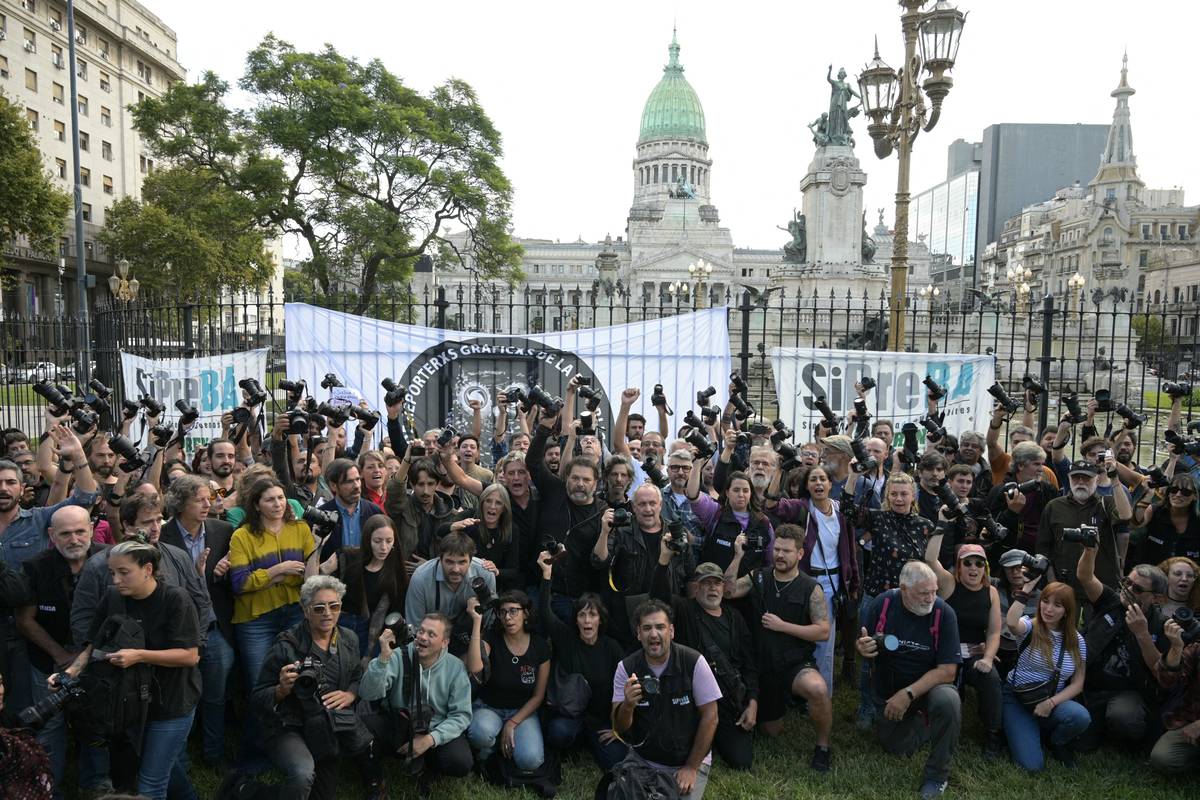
(500, 771)
(634, 779)
(117, 700)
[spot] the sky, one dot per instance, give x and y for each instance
(565, 83)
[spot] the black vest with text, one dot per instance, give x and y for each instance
(664, 725)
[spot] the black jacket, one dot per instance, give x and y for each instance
(366, 510)
(48, 579)
(217, 534)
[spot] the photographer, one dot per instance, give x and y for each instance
(372, 468)
(665, 704)
(443, 585)
(166, 666)
(570, 516)
(46, 623)
(675, 505)
(931, 471)
(353, 511)
(23, 762)
(419, 513)
(792, 615)
(1178, 750)
(425, 703)
(298, 469)
(970, 452)
(512, 668)
(1172, 525)
(739, 511)
(491, 528)
(1183, 589)
(1120, 691)
(1020, 496)
(376, 582)
(912, 635)
(305, 694)
(1082, 506)
(1011, 583)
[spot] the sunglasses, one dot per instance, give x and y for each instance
(1130, 586)
(973, 562)
(1183, 490)
(320, 608)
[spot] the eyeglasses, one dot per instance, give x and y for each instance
(973, 562)
(947, 451)
(1129, 585)
(320, 608)
(1183, 490)
(510, 612)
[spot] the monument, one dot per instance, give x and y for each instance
(830, 248)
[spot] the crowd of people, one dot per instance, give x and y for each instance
(649, 597)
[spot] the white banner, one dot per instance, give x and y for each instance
(210, 384)
(803, 373)
(443, 370)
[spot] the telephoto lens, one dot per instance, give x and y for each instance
(867, 383)
(1009, 405)
(703, 396)
(935, 389)
(330, 381)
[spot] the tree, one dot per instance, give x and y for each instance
(365, 170)
(191, 231)
(1150, 336)
(30, 204)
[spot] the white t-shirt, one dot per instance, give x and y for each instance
(825, 554)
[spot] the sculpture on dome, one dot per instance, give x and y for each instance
(818, 127)
(868, 244)
(682, 190)
(796, 251)
(837, 126)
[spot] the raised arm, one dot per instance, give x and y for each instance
(455, 473)
(1085, 573)
(628, 398)
(945, 581)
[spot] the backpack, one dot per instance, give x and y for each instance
(117, 700)
(935, 629)
(634, 779)
(500, 771)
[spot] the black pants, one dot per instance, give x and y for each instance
(303, 777)
(452, 759)
(733, 744)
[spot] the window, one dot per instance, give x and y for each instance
(29, 5)
(56, 18)
(80, 34)
(32, 116)
(105, 81)
(85, 141)
(1175, 294)
(85, 176)
(141, 96)
(147, 164)
(60, 130)
(747, 273)
(56, 93)
(30, 41)
(103, 47)
(1146, 234)
(3, 66)
(83, 105)
(1183, 232)
(1164, 232)
(62, 167)
(1143, 258)
(87, 212)
(30, 80)
(82, 69)
(145, 72)
(106, 116)
(56, 55)
(106, 150)
(107, 184)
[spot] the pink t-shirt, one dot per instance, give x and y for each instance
(704, 690)
(102, 533)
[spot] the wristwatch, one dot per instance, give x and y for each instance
(910, 694)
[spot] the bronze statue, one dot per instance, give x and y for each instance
(796, 251)
(868, 243)
(818, 127)
(682, 190)
(837, 126)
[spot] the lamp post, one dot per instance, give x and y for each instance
(1074, 288)
(700, 272)
(122, 288)
(678, 289)
(895, 105)
(1019, 280)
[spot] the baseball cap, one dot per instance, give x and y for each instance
(839, 442)
(1081, 466)
(971, 550)
(708, 570)
(1012, 558)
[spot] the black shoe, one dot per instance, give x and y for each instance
(1064, 753)
(822, 759)
(424, 786)
(236, 785)
(376, 790)
(993, 745)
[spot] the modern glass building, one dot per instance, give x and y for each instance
(945, 216)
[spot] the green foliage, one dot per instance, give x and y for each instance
(189, 231)
(1150, 334)
(1164, 401)
(30, 204)
(365, 170)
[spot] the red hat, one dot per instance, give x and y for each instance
(971, 550)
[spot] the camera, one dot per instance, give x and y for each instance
(162, 435)
(538, 396)
(517, 395)
(789, 458)
(41, 712)
(293, 387)
(831, 420)
(1177, 390)
(704, 448)
(1009, 405)
(482, 593)
(710, 415)
(1133, 421)
(417, 449)
(886, 641)
(739, 383)
(330, 381)
(1022, 488)
(583, 380)
(255, 394)
(742, 409)
(692, 421)
(556, 549)
(756, 541)
(867, 383)
(367, 418)
(744, 438)
(1184, 617)
(308, 681)
(587, 424)
(1087, 535)
(658, 399)
(910, 452)
(1180, 445)
(1035, 566)
(102, 391)
(947, 497)
(320, 518)
(297, 422)
(933, 431)
(55, 400)
(650, 684)
(677, 542)
(122, 446)
(592, 396)
(621, 518)
(129, 409)
(401, 629)
(936, 390)
(1157, 478)
(187, 414)
(85, 419)
(1031, 385)
(704, 395)
(1074, 414)
(446, 436)
(862, 415)
(990, 530)
(1103, 400)
(152, 406)
(863, 461)
(782, 432)
(336, 415)
(394, 393)
(653, 472)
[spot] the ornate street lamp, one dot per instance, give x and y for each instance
(895, 105)
(119, 284)
(700, 272)
(1074, 289)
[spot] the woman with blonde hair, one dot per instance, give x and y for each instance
(1183, 588)
(492, 532)
(1040, 692)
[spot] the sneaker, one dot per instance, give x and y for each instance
(376, 790)
(822, 759)
(931, 789)
(1065, 754)
(993, 745)
(866, 719)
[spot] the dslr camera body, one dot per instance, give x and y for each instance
(1087, 535)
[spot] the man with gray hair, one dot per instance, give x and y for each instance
(912, 636)
(675, 505)
(970, 452)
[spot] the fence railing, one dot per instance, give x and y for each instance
(1079, 343)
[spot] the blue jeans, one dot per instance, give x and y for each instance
(1024, 731)
(357, 623)
(486, 724)
(254, 639)
(866, 694)
(824, 650)
(162, 746)
(216, 665)
(562, 732)
(93, 761)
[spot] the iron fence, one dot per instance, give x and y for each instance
(1077, 343)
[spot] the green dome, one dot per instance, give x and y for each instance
(673, 110)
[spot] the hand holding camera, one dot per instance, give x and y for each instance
(866, 645)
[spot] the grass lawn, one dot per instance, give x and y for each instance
(861, 771)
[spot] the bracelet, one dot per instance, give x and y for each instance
(66, 471)
(994, 426)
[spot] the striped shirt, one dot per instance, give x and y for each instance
(251, 555)
(1032, 667)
